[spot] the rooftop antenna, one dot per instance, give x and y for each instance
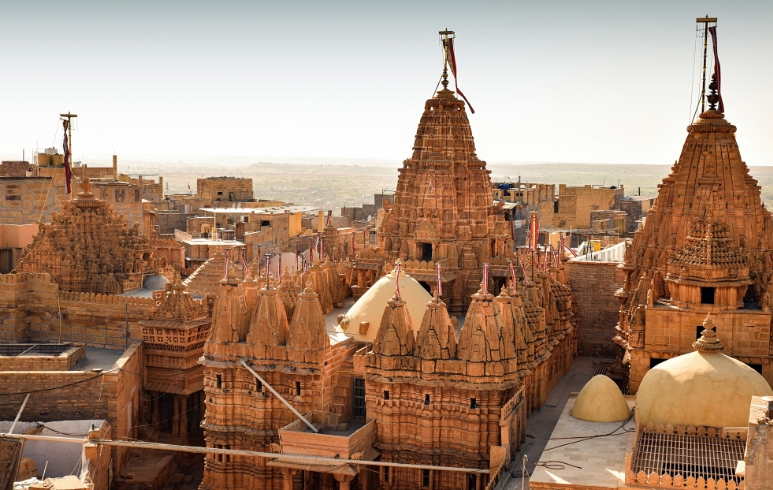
(705, 21)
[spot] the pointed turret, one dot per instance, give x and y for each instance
(229, 315)
(479, 339)
(289, 292)
(507, 342)
(436, 338)
(307, 329)
(268, 327)
(395, 335)
(316, 278)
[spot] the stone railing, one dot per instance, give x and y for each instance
(667, 480)
(105, 299)
(182, 236)
(423, 265)
(23, 277)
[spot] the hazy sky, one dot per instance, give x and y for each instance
(573, 81)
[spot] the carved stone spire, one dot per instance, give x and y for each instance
(436, 338)
(307, 329)
(479, 339)
(268, 326)
(395, 336)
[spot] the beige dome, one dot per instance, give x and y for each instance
(370, 307)
(699, 389)
(600, 400)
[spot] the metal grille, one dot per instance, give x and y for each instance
(688, 455)
(602, 368)
(14, 350)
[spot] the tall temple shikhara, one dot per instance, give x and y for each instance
(705, 249)
(443, 205)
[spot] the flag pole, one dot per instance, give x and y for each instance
(705, 21)
(69, 117)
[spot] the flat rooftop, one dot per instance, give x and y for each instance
(581, 454)
(209, 241)
(96, 358)
(289, 209)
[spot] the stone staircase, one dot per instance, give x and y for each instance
(342, 391)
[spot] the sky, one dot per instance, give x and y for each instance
(551, 81)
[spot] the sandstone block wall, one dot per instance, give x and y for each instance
(593, 284)
(63, 362)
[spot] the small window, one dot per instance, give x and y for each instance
(265, 223)
(386, 397)
(756, 367)
(698, 331)
(426, 398)
(654, 362)
(707, 296)
(219, 381)
(426, 252)
(219, 193)
(258, 386)
(425, 478)
(298, 388)
(473, 403)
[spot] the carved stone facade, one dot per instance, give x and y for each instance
(443, 208)
(174, 341)
(705, 248)
(89, 248)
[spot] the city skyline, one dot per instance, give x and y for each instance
(601, 82)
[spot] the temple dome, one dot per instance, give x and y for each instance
(370, 307)
(600, 400)
(155, 282)
(703, 388)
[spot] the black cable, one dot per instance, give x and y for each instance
(54, 387)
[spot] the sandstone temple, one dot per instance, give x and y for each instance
(220, 340)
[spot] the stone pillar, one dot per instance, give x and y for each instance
(183, 416)
(287, 479)
(343, 481)
(176, 417)
(757, 467)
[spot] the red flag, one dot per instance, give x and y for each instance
(67, 158)
(397, 280)
(717, 74)
(439, 280)
(449, 45)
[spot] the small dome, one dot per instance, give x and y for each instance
(600, 400)
(370, 307)
(155, 282)
(703, 388)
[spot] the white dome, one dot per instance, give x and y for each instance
(370, 307)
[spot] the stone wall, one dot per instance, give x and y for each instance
(63, 362)
(33, 309)
(224, 189)
(25, 200)
(594, 285)
(576, 203)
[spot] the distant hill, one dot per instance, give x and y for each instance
(345, 183)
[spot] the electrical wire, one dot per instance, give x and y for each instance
(586, 438)
(54, 387)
